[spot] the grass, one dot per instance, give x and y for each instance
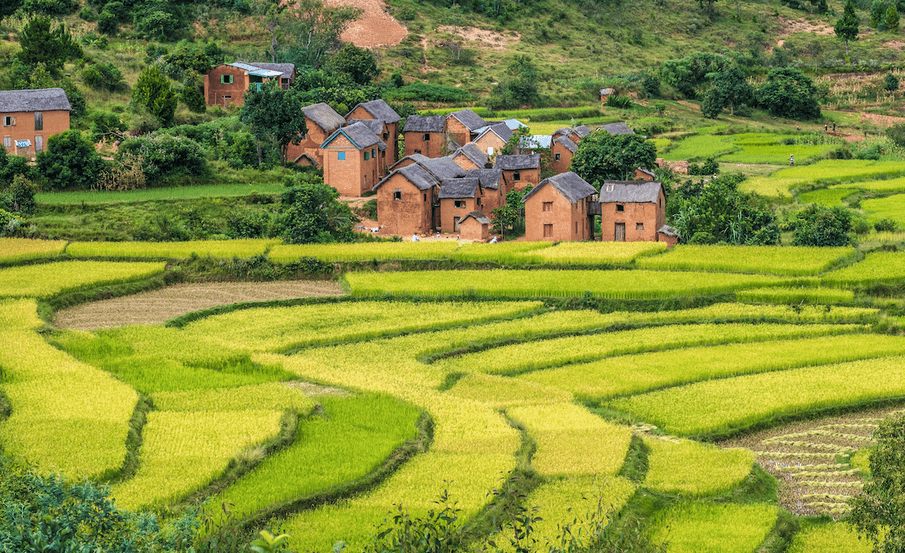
(42, 281)
(160, 194)
(836, 537)
(703, 528)
(829, 196)
(692, 469)
(789, 260)
(19, 315)
(172, 250)
(20, 249)
(890, 207)
(881, 185)
(795, 295)
(593, 253)
(274, 396)
(877, 267)
(381, 251)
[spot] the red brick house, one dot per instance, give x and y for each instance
(563, 149)
(462, 125)
(519, 171)
(632, 211)
(379, 128)
(493, 138)
(578, 133)
(30, 117)
(491, 181)
(226, 84)
(381, 111)
(644, 174)
(470, 156)
(559, 209)
(405, 201)
(458, 198)
(423, 134)
(475, 226)
(352, 159)
(321, 121)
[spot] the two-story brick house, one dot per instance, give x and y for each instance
(405, 200)
(423, 134)
(563, 150)
(321, 121)
(225, 85)
(560, 209)
(632, 211)
(458, 198)
(519, 170)
(30, 117)
(381, 111)
(352, 159)
(462, 125)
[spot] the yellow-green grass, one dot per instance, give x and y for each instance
(882, 185)
(776, 153)
(19, 315)
(41, 281)
(693, 469)
(861, 459)
(788, 260)
(545, 283)
(829, 170)
(700, 147)
(890, 207)
(543, 354)
(661, 144)
(797, 295)
(20, 249)
(713, 528)
(593, 253)
(380, 251)
(503, 252)
(160, 194)
(67, 417)
(877, 267)
(273, 396)
(829, 197)
(730, 404)
(632, 374)
(245, 247)
(571, 441)
(277, 328)
(354, 437)
(771, 186)
(835, 537)
(501, 392)
(184, 451)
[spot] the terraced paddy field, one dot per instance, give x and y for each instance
(323, 416)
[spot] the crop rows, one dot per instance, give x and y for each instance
(21, 249)
(836, 537)
(381, 251)
(789, 261)
(592, 253)
(889, 207)
(40, 281)
(830, 197)
(877, 267)
(727, 528)
(273, 396)
(246, 247)
(776, 153)
(19, 315)
(882, 185)
(503, 252)
(798, 295)
(693, 469)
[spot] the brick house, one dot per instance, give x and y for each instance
(519, 171)
(578, 133)
(563, 149)
(380, 129)
(475, 226)
(423, 134)
(321, 121)
(470, 156)
(226, 84)
(491, 181)
(31, 116)
(632, 211)
(559, 209)
(644, 174)
(405, 200)
(381, 111)
(352, 159)
(458, 198)
(668, 235)
(462, 125)
(494, 136)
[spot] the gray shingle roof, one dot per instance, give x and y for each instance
(287, 69)
(373, 124)
(40, 99)
(668, 230)
(570, 185)
(477, 216)
(443, 167)
(458, 188)
(415, 174)
(571, 146)
(489, 178)
(324, 117)
(565, 131)
(470, 119)
(360, 135)
(472, 152)
(379, 110)
(424, 123)
(519, 162)
(582, 130)
(630, 192)
(499, 129)
(618, 128)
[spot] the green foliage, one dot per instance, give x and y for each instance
(357, 64)
(709, 167)
(307, 33)
(789, 93)
(313, 213)
(509, 219)
(103, 76)
(41, 42)
(891, 82)
(892, 19)
(9, 7)
(603, 156)
(437, 531)
(53, 8)
(106, 125)
(886, 225)
(817, 225)
(154, 93)
(877, 512)
(617, 101)
(846, 27)
(191, 58)
(730, 89)
(10, 166)
(268, 543)
(69, 161)
(689, 74)
(8, 222)
(193, 98)
(877, 13)
(519, 87)
(165, 157)
(275, 115)
(428, 93)
(19, 196)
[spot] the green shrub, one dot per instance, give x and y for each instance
(19, 196)
(50, 7)
(69, 161)
(166, 157)
(421, 92)
(103, 76)
(886, 225)
(616, 101)
(8, 222)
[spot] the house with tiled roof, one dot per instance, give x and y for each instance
(381, 111)
(406, 199)
(561, 208)
(491, 181)
(563, 149)
(475, 226)
(632, 211)
(463, 125)
(321, 121)
(519, 170)
(470, 156)
(352, 159)
(493, 138)
(458, 198)
(32, 116)
(423, 134)
(225, 85)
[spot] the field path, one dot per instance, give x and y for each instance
(158, 306)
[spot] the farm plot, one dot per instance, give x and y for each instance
(503, 252)
(882, 185)
(798, 295)
(837, 537)
(692, 469)
(41, 281)
(790, 260)
(19, 315)
(825, 171)
(701, 147)
(877, 267)
(705, 528)
(890, 207)
(246, 247)
(592, 253)
(832, 196)
(20, 249)
(382, 251)
(776, 153)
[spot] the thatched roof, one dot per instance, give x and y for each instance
(39, 99)
(424, 123)
(618, 128)
(477, 216)
(458, 188)
(360, 135)
(570, 185)
(571, 146)
(473, 153)
(518, 162)
(489, 178)
(415, 174)
(324, 117)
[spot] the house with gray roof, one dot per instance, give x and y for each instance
(32, 116)
(424, 134)
(492, 185)
(407, 201)
(632, 211)
(493, 138)
(617, 128)
(519, 171)
(470, 156)
(321, 121)
(463, 125)
(458, 198)
(381, 111)
(353, 159)
(225, 85)
(475, 226)
(560, 208)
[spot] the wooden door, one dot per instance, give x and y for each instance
(620, 232)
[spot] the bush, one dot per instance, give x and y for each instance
(57, 8)
(107, 23)
(69, 161)
(166, 157)
(891, 82)
(10, 166)
(421, 92)
(8, 222)
(616, 101)
(821, 226)
(789, 93)
(252, 224)
(886, 225)
(896, 133)
(709, 167)
(19, 196)
(103, 76)
(193, 99)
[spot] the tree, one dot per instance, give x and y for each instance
(303, 32)
(42, 43)
(154, 93)
(891, 82)
(313, 213)
(522, 142)
(509, 218)
(877, 13)
(359, 64)
(847, 26)
(878, 512)
(69, 161)
(275, 115)
(730, 88)
(519, 88)
(602, 156)
(9, 7)
(822, 226)
(892, 19)
(789, 93)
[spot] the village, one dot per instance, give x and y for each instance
(435, 176)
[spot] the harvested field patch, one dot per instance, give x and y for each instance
(158, 306)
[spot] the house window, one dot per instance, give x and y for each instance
(373, 152)
(548, 206)
(226, 79)
(558, 157)
(7, 142)
(366, 181)
(367, 155)
(385, 136)
(425, 197)
(576, 227)
(397, 194)
(516, 176)
(383, 153)
(548, 230)
(639, 226)
(39, 143)
(39, 121)
(426, 137)
(460, 204)
(341, 156)
(620, 207)
(9, 121)
(456, 223)
(417, 151)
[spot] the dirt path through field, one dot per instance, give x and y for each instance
(159, 306)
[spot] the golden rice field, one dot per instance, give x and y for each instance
(21, 249)
(607, 410)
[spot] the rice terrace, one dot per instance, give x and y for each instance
(718, 398)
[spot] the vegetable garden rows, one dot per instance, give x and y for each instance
(493, 376)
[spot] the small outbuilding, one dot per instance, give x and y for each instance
(475, 226)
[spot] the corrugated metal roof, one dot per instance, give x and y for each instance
(257, 71)
(324, 117)
(469, 118)
(287, 70)
(536, 141)
(630, 192)
(518, 162)
(570, 185)
(34, 99)
(424, 123)
(380, 110)
(458, 188)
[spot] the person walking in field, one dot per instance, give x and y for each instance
(792, 159)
